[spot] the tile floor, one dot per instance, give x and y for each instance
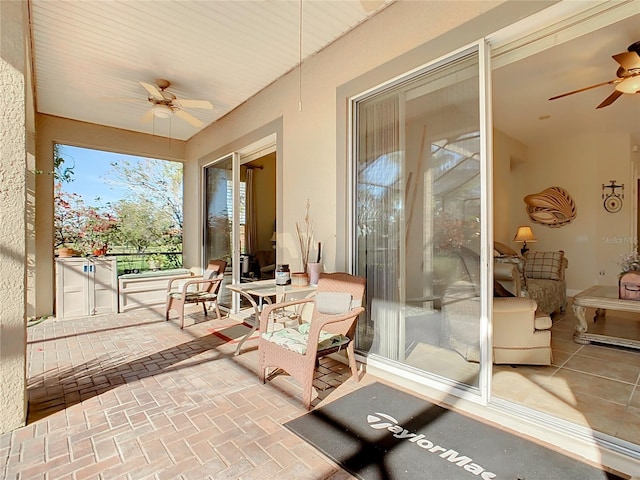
(593, 385)
(130, 396)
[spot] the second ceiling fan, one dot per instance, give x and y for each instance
(628, 76)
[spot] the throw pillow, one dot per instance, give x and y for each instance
(544, 265)
(333, 303)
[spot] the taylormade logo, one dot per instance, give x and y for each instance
(382, 421)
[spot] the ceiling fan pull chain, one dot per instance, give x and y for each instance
(300, 61)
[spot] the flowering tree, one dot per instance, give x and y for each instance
(68, 218)
(79, 226)
(100, 229)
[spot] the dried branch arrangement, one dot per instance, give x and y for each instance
(305, 235)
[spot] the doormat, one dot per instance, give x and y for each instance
(380, 433)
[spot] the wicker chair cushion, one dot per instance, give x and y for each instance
(295, 338)
(193, 296)
(333, 303)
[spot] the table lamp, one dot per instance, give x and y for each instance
(524, 234)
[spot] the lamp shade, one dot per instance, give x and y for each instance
(524, 234)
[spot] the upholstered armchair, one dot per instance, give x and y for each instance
(545, 278)
(520, 335)
(507, 275)
(295, 349)
(542, 275)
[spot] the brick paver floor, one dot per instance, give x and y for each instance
(131, 396)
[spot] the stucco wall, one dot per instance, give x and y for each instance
(13, 168)
(312, 145)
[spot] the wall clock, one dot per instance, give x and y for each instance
(612, 200)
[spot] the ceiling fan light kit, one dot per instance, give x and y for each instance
(629, 85)
(162, 111)
(628, 76)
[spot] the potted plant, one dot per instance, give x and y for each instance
(156, 261)
(629, 278)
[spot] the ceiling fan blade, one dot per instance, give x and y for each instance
(610, 99)
(116, 99)
(628, 60)
(610, 82)
(153, 90)
(147, 117)
(187, 117)
(195, 104)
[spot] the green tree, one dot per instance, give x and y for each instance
(142, 224)
(158, 182)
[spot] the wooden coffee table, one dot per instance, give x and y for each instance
(602, 298)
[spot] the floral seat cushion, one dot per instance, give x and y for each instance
(193, 296)
(295, 338)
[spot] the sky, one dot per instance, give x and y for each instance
(91, 174)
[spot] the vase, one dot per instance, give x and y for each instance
(66, 252)
(299, 279)
(314, 270)
(629, 285)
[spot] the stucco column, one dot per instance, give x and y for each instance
(13, 168)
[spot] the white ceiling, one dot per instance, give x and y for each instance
(521, 90)
(87, 54)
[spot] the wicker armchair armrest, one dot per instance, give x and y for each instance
(267, 311)
(321, 322)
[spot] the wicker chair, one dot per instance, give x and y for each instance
(200, 289)
(296, 350)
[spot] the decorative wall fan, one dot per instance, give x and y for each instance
(628, 74)
(165, 104)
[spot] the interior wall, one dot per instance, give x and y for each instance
(265, 195)
(313, 143)
(508, 154)
(580, 164)
(51, 130)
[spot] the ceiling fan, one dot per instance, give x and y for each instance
(165, 104)
(628, 74)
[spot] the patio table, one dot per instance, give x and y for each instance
(261, 291)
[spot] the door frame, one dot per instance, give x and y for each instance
(239, 157)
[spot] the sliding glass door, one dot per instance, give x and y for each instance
(219, 217)
(239, 216)
(417, 169)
